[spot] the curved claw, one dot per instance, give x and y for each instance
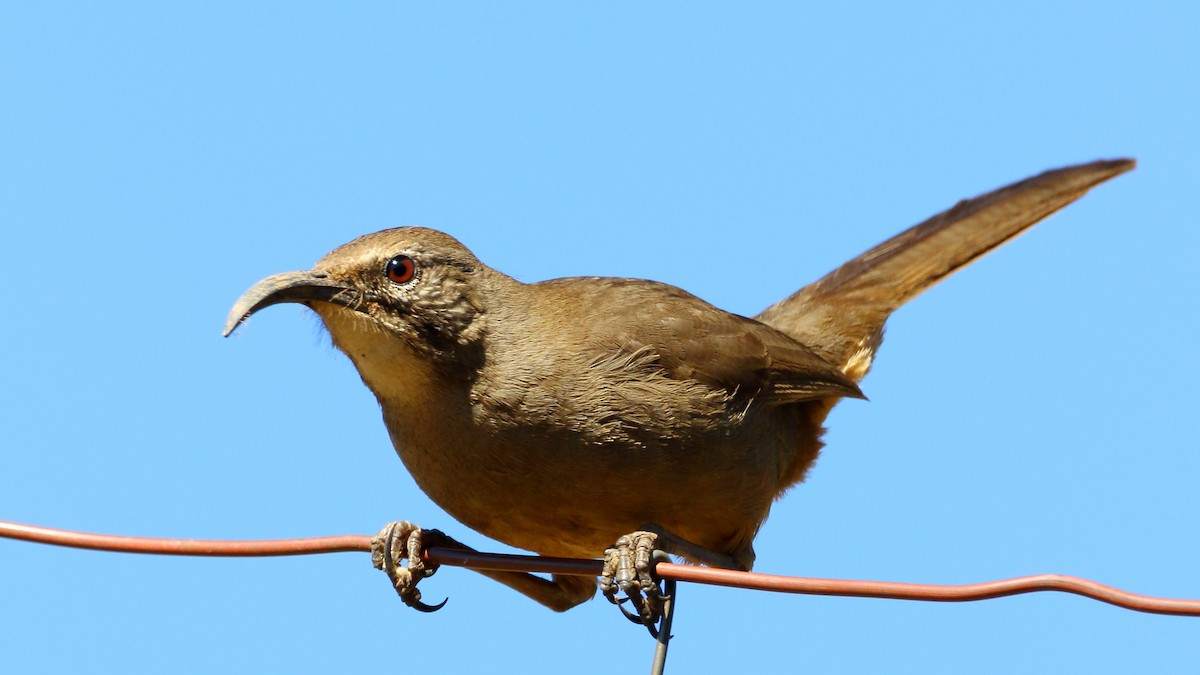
(428, 609)
(642, 619)
(629, 569)
(636, 618)
(399, 541)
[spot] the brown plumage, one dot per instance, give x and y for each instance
(560, 415)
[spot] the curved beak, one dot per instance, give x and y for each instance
(301, 287)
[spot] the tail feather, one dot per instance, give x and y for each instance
(841, 315)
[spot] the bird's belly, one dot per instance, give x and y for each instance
(561, 497)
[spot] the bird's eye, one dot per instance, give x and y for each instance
(401, 269)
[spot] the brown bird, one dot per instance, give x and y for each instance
(587, 416)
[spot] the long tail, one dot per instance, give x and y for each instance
(842, 314)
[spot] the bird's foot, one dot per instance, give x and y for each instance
(399, 541)
(629, 569)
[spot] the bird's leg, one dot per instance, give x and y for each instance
(403, 540)
(629, 569)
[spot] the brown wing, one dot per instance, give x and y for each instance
(691, 339)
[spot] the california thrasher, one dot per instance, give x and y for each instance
(591, 415)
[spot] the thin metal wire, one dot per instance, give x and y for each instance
(192, 547)
(571, 566)
(663, 639)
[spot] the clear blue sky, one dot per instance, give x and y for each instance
(1036, 413)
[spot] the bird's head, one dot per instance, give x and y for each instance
(404, 288)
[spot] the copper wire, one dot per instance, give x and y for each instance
(571, 566)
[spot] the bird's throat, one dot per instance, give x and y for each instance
(399, 376)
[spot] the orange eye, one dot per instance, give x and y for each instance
(401, 269)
